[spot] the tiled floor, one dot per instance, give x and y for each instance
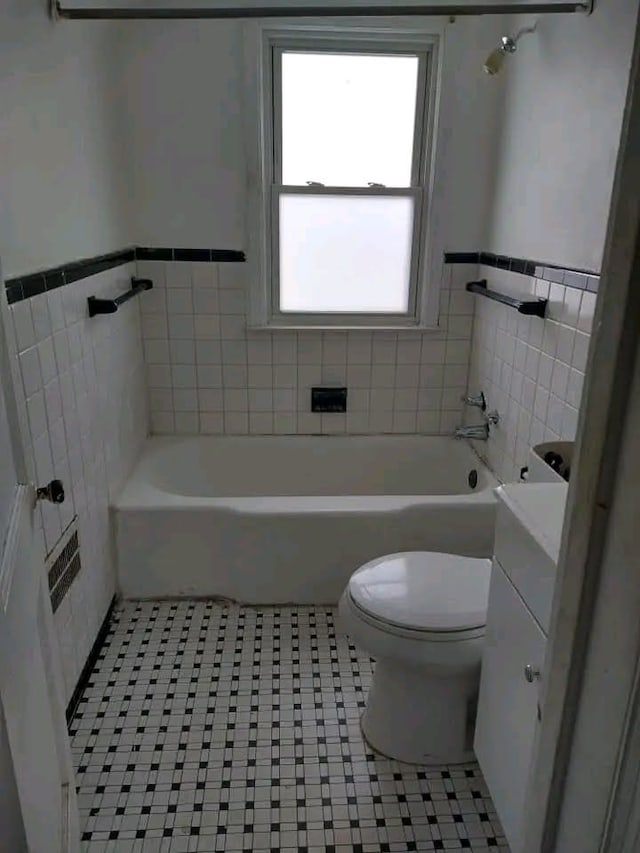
(215, 728)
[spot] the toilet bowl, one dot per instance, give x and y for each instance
(422, 616)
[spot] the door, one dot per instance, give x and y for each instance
(32, 707)
(507, 705)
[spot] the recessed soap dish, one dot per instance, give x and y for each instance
(550, 462)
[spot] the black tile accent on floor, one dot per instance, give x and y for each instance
(90, 663)
(206, 727)
(568, 276)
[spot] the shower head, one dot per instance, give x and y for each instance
(494, 62)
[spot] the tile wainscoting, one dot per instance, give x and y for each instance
(531, 370)
(80, 385)
(208, 374)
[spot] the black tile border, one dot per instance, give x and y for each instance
(26, 286)
(567, 276)
(87, 669)
(147, 253)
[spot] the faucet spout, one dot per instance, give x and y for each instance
(477, 431)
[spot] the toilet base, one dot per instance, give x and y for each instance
(417, 718)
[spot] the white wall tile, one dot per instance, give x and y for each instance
(209, 400)
(187, 423)
(178, 274)
(212, 423)
(30, 371)
(87, 414)
(37, 415)
(433, 352)
(185, 400)
(284, 423)
(183, 376)
(545, 372)
(209, 376)
(358, 375)
(580, 351)
(181, 326)
(285, 348)
(195, 339)
(587, 310)
(236, 400)
(236, 423)
(23, 325)
(260, 423)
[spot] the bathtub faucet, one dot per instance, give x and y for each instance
(479, 431)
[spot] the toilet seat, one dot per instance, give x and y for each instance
(421, 636)
(424, 594)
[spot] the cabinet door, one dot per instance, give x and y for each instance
(507, 705)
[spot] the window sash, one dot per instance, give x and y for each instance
(418, 172)
(342, 319)
(265, 308)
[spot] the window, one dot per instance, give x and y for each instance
(344, 151)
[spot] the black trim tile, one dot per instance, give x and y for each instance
(33, 285)
(228, 256)
(147, 254)
(93, 266)
(37, 283)
(90, 663)
(461, 257)
(567, 276)
(192, 255)
(14, 292)
(54, 279)
(488, 259)
(518, 265)
(24, 287)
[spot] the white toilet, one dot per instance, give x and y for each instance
(422, 616)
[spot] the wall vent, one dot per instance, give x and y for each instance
(63, 564)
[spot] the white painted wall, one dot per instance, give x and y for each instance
(184, 87)
(61, 182)
(184, 97)
(565, 96)
(11, 827)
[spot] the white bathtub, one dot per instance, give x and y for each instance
(271, 519)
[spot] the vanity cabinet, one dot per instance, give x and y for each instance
(528, 533)
(508, 702)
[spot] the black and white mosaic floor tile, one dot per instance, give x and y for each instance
(219, 728)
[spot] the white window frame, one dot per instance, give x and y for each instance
(264, 47)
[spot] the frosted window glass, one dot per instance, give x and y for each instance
(348, 119)
(345, 253)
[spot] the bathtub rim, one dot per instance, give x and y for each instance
(138, 493)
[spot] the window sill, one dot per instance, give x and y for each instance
(390, 327)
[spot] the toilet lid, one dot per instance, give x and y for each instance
(424, 590)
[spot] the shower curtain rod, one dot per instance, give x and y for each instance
(227, 9)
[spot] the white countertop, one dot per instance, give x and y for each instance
(540, 507)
